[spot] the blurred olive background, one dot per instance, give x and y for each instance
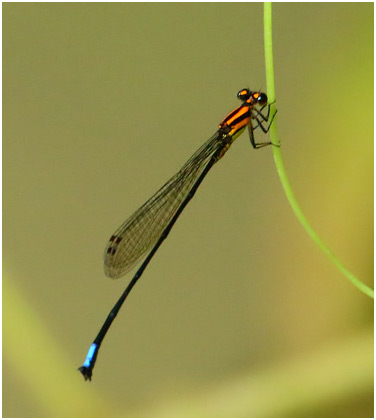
(239, 314)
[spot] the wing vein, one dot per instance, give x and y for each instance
(140, 232)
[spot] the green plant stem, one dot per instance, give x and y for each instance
(268, 43)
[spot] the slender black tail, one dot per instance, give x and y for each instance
(87, 368)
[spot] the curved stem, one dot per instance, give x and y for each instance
(268, 44)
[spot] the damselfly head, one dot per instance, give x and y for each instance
(247, 95)
(244, 94)
(261, 98)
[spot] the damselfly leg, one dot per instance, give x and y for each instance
(260, 124)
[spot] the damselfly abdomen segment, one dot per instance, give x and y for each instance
(141, 234)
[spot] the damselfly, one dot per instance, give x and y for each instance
(142, 234)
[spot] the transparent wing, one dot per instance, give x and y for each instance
(138, 234)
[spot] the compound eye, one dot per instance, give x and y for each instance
(262, 99)
(244, 94)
